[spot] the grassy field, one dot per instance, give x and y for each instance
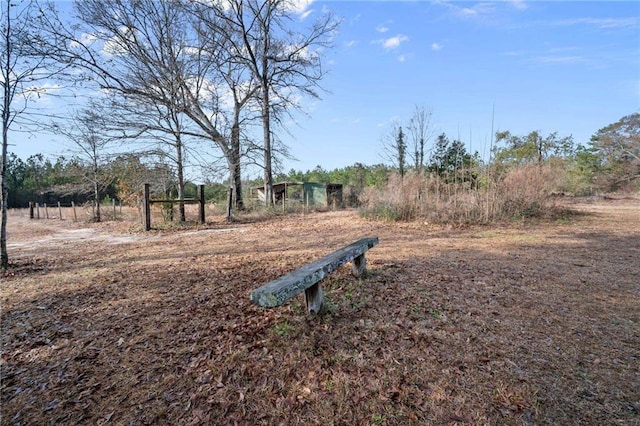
(528, 323)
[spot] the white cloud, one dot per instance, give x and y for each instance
(436, 46)
(299, 6)
(306, 14)
(38, 94)
(116, 44)
(477, 10)
(468, 11)
(350, 43)
(560, 59)
(402, 58)
(382, 29)
(85, 39)
(518, 4)
(602, 23)
(394, 42)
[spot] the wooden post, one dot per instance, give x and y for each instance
(229, 204)
(359, 266)
(314, 298)
(59, 210)
(201, 202)
(114, 209)
(37, 211)
(46, 211)
(146, 207)
(30, 209)
(75, 216)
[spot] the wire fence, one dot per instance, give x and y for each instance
(112, 211)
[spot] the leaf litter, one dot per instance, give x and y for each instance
(521, 324)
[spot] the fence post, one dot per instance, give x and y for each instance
(30, 209)
(59, 210)
(229, 204)
(146, 207)
(114, 210)
(201, 202)
(46, 211)
(37, 211)
(75, 216)
(284, 199)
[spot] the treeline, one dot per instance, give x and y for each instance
(522, 178)
(523, 169)
(48, 181)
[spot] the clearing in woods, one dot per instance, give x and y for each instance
(535, 323)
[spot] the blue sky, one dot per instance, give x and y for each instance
(565, 66)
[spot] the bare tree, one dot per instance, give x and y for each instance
(89, 134)
(284, 62)
(166, 53)
(154, 129)
(220, 41)
(147, 51)
(420, 131)
(24, 68)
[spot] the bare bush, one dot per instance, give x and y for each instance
(515, 193)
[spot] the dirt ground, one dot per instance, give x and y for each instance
(532, 323)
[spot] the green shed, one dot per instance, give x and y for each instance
(307, 193)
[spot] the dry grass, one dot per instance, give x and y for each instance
(516, 193)
(519, 325)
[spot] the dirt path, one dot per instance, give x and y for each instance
(524, 323)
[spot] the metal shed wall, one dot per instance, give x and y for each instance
(315, 193)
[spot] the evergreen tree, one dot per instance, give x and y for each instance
(450, 159)
(617, 147)
(401, 147)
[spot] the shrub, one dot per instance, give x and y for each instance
(517, 192)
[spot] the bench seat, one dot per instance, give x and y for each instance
(308, 277)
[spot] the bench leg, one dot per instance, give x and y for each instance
(314, 298)
(359, 266)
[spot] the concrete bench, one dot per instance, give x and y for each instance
(308, 277)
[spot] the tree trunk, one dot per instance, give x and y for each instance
(235, 183)
(4, 255)
(180, 178)
(235, 175)
(96, 188)
(96, 193)
(266, 127)
(6, 104)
